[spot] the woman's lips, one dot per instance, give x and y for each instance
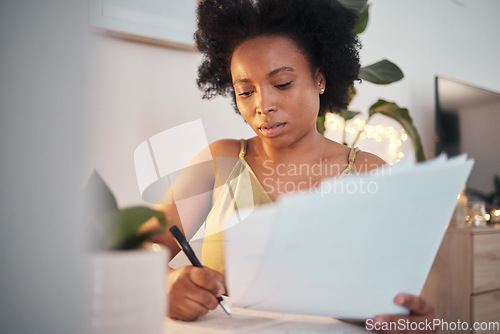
(271, 129)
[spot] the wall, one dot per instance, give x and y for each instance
(43, 124)
(143, 89)
(140, 90)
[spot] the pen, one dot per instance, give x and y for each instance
(181, 240)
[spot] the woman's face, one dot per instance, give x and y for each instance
(275, 90)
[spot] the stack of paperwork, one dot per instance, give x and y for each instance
(347, 248)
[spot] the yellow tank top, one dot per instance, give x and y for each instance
(242, 190)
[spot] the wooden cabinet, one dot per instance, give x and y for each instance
(464, 281)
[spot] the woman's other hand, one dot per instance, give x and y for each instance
(193, 291)
(420, 320)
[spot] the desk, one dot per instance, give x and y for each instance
(251, 321)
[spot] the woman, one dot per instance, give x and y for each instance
(283, 62)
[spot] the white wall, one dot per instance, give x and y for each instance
(42, 129)
(143, 89)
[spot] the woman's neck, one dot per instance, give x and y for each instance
(311, 146)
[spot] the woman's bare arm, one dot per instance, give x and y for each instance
(189, 200)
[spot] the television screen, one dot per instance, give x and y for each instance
(468, 121)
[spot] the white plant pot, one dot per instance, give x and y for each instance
(128, 291)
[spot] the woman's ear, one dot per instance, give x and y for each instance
(321, 80)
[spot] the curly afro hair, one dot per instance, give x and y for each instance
(323, 30)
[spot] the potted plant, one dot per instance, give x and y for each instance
(127, 271)
(381, 73)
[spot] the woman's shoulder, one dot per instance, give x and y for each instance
(363, 161)
(225, 148)
(366, 161)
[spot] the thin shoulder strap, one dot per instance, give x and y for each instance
(243, 148)
(352, 156)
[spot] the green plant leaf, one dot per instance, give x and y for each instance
(98, 202)
(402, 116)
(355, 5)
(348, 114)
(320, 124)
(98, 197)
(125, 223)
(362, 21)
(381, 73)
(135, 241)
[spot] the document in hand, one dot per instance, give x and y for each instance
(348, 248)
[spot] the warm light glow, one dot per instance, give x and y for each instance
(495, 215)
(156, 247)
(394, 137)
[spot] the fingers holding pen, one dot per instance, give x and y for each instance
(187, 310)
(192, 292)
(214, 282)
(195, 283)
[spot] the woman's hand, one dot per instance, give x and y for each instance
(193, 291)
(420, 319)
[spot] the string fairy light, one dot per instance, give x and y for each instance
(394, 137)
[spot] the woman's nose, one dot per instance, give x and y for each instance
(265, 103)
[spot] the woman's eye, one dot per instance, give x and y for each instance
(284, 86)
(244, 94)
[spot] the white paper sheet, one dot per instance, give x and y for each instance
(345, 253)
